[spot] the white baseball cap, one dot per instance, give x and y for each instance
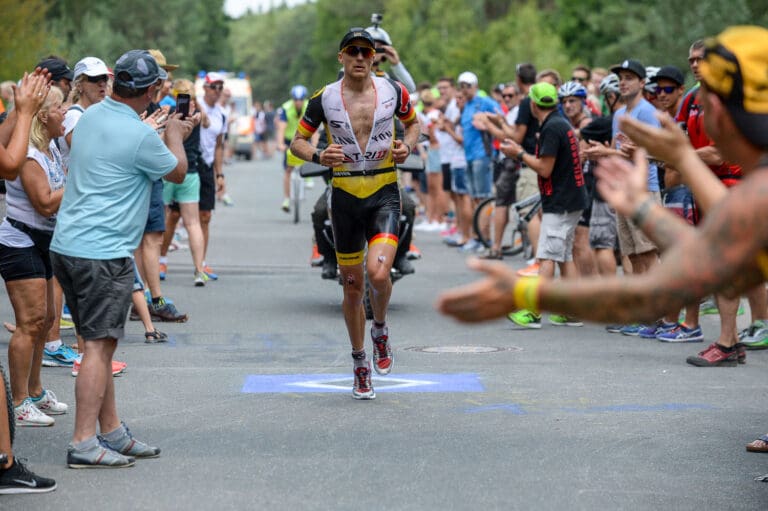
(91, 66)
(468, 77)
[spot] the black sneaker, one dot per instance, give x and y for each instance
(404, 265)
(166, 311)
(329, 270)
(18, 479)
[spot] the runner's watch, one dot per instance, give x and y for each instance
(316, 156)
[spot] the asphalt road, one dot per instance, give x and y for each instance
(251, 405)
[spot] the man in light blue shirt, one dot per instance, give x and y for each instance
(113, 161)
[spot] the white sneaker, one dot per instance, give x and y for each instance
(49, 405)
(27, 414)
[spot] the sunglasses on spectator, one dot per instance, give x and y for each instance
(97, 79)
(669, 89)
(465, 85)
(505, 96)
(354, 51)
(216, 86)
(578, 79)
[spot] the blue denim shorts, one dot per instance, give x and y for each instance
(480, 178)
(459, 181)
(156, 218)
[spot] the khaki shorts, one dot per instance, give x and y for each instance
(632, 240)
(527, 185)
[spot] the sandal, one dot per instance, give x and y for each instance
(759, 445)
(493, 254)
(155, 336)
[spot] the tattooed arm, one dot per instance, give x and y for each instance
(702, 261)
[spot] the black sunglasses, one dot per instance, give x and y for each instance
(354, 51)
(581, 79)
(216, 86)
(668, 89)
(97, 79)
(508, 95)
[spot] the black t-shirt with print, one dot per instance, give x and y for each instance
(526, 117)
(564, 190)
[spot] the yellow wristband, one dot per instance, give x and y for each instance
(526, 293)
(762, 263)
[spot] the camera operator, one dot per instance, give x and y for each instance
(386, 52)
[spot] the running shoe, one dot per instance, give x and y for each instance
(48, 404)
(118, 368)
(64, 356)
(129, 446)
(682, 333)
(613, 329)
(651, 331)
(362, 388)
(166, 311)
(27, 414)
(227, 200)
(755, 337)
(714, 356)
(471, 247)
(286, 205)
(708, 306)
(531, 271)
(65, 313)
(200, 279)
(212, 275)
(97, 457)
(561, 320)
(413, 252)
(18, 479)
(66, 324)
(632, 330)
(383, 360)
(163, 270)
(525, 318)
(316, 259)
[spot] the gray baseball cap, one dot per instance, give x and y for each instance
(137, 69)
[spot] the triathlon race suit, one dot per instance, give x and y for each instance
(365, 198)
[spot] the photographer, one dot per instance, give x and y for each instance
(386, 52)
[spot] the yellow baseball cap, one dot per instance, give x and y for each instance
(734, 68)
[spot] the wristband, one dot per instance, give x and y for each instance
(409, 148)
(641, 213)
(526, 293)
(316, 157)
(520, 155)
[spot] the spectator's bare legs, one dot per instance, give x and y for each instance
(606, 261)
(758, 303)
(150, 258)
(33, 320)
(190, 212)
(534, 228)
(583, 255)
(54, 334)
(352, 305)
(171, 220)
(729, 309)
(95, 390)
(205, 221)
(500, 221)
(140, 304)
(464, 216)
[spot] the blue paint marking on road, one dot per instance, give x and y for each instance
(325, 383)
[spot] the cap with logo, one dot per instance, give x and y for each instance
(734, 68)
(136, 69)
(543, 94)
(467, 77)
(669, 73)
(356, 33)
(630, 65)
(58, 68)
(91, 66)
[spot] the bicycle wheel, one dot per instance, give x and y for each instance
(482, 221)
(516, 244)
(9, 405)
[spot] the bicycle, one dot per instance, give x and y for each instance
(9, 406)
(519, 242)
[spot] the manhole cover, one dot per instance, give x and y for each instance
(462, 349)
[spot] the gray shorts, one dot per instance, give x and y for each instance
(603, 233)
(556, 237)
(98, 293)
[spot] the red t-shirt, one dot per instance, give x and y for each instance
(692, 115)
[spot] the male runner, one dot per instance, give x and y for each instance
(359, 113)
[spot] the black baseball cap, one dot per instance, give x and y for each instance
(670, 73)
(356, 33)
(58, 68)
(630, 65)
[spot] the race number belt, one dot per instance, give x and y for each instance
(358, 173)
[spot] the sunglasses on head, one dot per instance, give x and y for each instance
(354, 51)
(216, 86)
(97, 79)
(668, 89)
